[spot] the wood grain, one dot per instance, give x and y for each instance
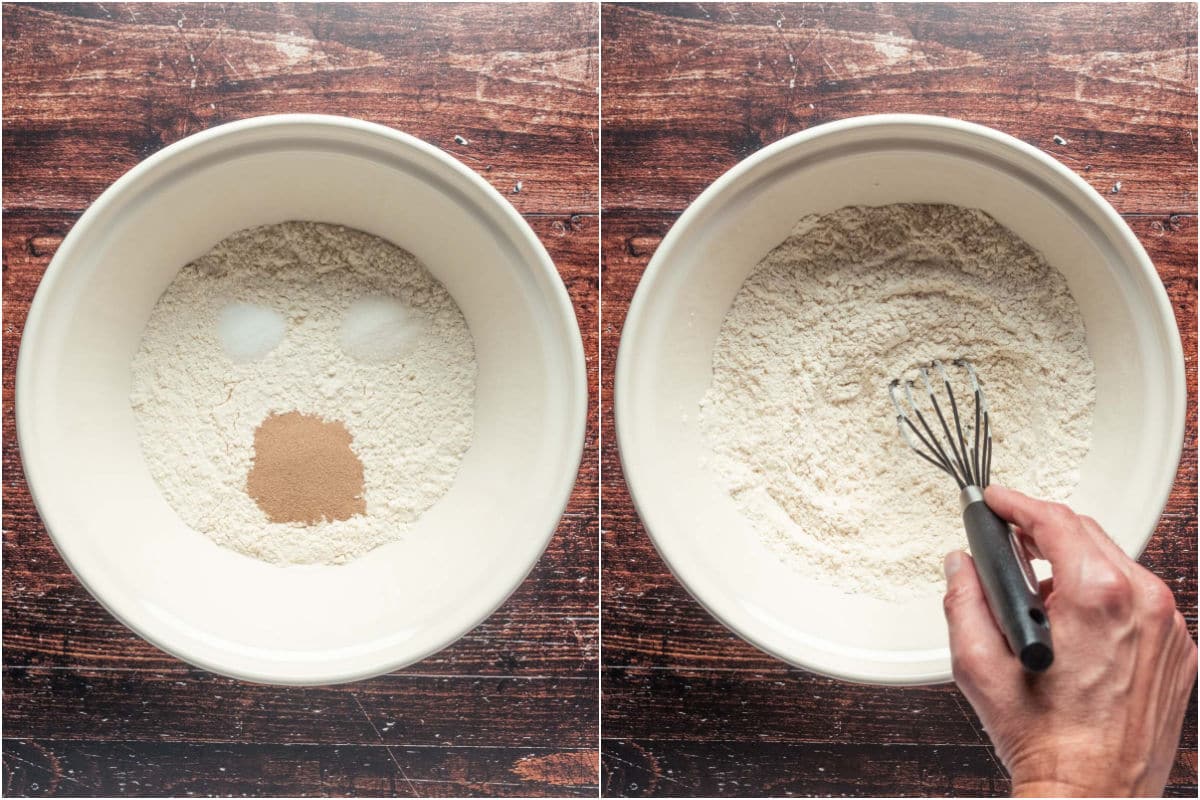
(691, 90)
(90, 708)
(689, 708)
(106, 87)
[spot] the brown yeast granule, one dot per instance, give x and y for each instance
(304, 470)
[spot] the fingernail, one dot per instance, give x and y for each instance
(953, 562)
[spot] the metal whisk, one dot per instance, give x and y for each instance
(970, 460)
(965, 453)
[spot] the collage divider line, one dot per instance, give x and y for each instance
(599, 399)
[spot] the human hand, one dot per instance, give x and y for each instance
(1105, 719)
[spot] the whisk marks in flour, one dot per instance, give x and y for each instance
(797, 419)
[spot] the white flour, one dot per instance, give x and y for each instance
(409, 410)
(798, 418)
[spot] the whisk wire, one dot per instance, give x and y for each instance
(962, 442)
(980, 409)
(963, 475)
(978, 471)
(987, 450)
(939, 464)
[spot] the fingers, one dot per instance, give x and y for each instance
(1054, 528)
(977, 646)
(1092, 573)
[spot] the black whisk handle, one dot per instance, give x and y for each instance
(1008, 582)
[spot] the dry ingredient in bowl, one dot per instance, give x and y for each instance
(797, 417)
(304, 392)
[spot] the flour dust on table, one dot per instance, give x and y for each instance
(798, 422)
(304, 392)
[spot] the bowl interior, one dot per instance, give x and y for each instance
(666, 356)
(229, 612)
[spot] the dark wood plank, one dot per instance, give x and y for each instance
(49, 768)
(791, 706)
(92, 89)
(739, 769)
(104, 87)
(689, 90)
(405, 708)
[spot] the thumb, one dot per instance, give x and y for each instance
(977, 646)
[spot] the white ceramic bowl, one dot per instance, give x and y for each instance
(230, 613)
(665, 364)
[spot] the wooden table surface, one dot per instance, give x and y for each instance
(89, 708)
(690, 90)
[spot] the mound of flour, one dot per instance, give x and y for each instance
(411, 415)
(801, 430)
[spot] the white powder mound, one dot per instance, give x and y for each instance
(798, 417)
(411, 415)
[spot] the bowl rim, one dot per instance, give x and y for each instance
(1084, 197)
(337, 668)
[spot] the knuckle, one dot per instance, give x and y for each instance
(1160, 602)
(1060, 512)
(1109, 590)
(968, 660)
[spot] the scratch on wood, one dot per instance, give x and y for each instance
(379, 736)
(656, 774)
